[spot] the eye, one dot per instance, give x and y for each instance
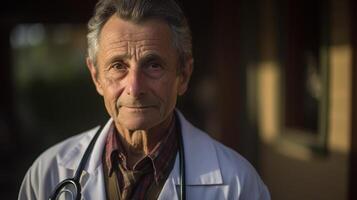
(154, 70)
(154, 66)
(117, 69)
(119, 66)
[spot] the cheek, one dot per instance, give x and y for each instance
(111, 92)
(167, 91)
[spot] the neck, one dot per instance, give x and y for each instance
(138, 143)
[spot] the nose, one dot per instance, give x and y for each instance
(135, 84)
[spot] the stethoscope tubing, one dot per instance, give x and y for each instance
(86, 155)
(182, 162)
(75, 180)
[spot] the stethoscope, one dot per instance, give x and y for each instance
(71, 188)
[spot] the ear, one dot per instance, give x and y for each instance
(95, 75)
(185, 75)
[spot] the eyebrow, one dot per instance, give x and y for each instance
(116, 58)
(144, 60)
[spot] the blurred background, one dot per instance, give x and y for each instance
(275, 80)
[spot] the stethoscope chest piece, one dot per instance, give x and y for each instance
(67, 189)
(71, 188)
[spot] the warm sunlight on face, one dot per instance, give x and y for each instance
(136, 72)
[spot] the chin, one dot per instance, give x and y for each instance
(137, 123)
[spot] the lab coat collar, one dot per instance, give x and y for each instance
(201, 162)
(74, 155)
(91, 180)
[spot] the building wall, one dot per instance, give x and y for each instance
(293, 171)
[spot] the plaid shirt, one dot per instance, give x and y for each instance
(153, 169)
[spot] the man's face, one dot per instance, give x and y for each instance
(136, 72)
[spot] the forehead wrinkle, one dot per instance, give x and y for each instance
(113, 38)
(126, 51)
(143, 48)
(128, 45)
(146, 46)
(115, 48)
(114, 44)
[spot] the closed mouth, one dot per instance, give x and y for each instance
(138, 107)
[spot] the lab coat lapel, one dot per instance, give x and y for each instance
(169, 191)
(94, 188)
(91, 180)
(202, 167)
(201, 163)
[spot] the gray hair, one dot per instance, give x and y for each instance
(137, 11)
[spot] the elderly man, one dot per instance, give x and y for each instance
(140, 60)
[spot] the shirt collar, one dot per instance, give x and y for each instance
(159, 156)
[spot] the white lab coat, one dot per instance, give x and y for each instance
(213, 171)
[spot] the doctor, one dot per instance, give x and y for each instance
(140, 60)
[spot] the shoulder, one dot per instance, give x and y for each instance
(201, 143)
(236, 172)
(47, 169)
(230, 161)
(233, 162)
(59, 151)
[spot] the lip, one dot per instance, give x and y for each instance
(138, 107)
(141, 109)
